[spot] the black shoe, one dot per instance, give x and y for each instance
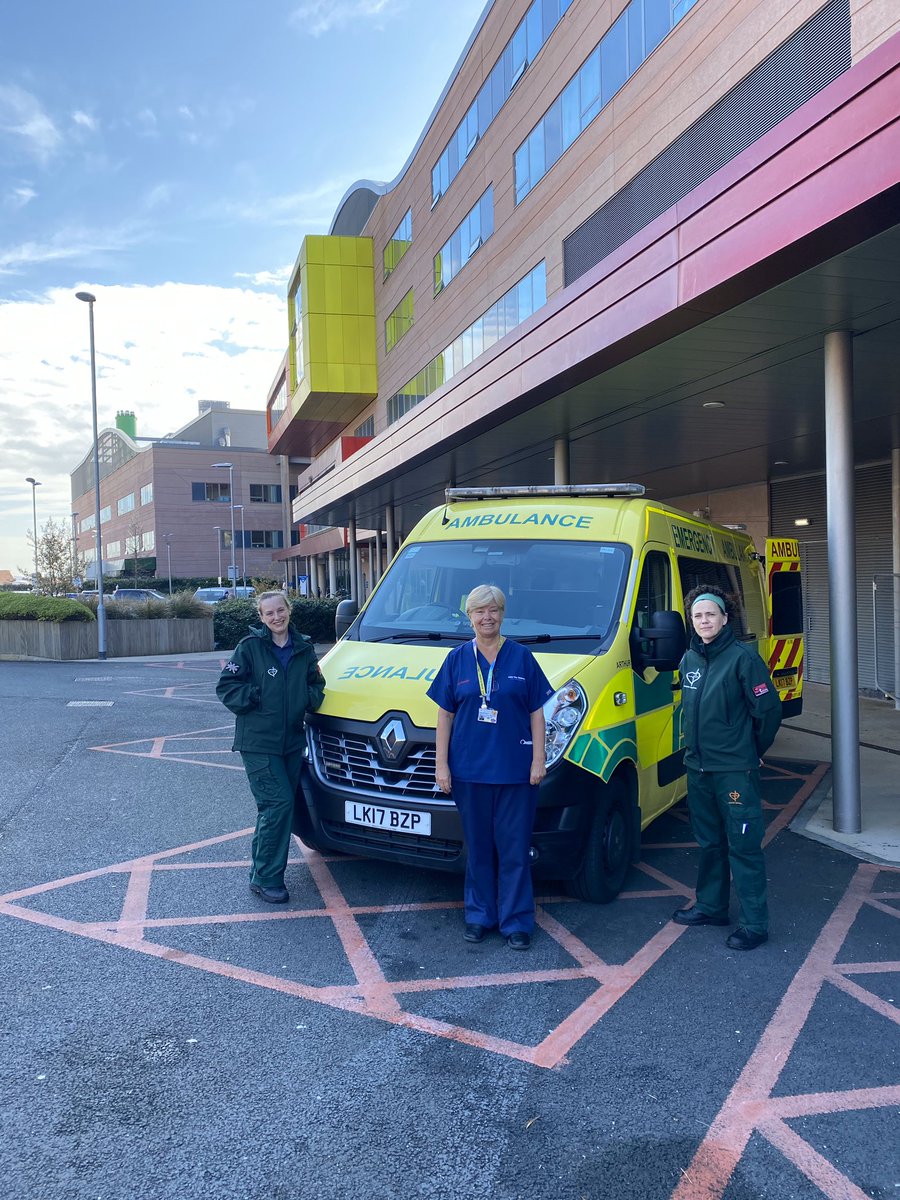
(519, 940)
(693, 916)
(474, 933)
(271, 895)
(745, 939)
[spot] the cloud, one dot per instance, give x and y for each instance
(309, 209)
(22, 116)
(147, 122)
(85, 120)
(317, 17)
(18, 197)
(277, 278)
(70, 245)
(159, 351)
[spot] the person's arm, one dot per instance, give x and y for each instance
(539, 750)
(315, 683)
(763, 703)
(236, 688)
(442, 750)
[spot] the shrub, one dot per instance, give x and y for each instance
(184, 605)
(18, 606)
(233, 618)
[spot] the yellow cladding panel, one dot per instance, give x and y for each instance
(313, 250)
(334, 340)
(333, 291)
(314, 288)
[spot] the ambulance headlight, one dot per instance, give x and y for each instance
(562, 716)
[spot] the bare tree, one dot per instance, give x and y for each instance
(57, 567)
(133, 543)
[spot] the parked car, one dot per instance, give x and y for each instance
(136, 594)
(215, 595)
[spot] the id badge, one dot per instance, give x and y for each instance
(487, 715)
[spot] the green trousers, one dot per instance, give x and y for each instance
(726, 817)
(274, 779)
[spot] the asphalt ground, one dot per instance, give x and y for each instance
(166, 1034)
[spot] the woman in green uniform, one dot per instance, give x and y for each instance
(270, 682)
(731, 715)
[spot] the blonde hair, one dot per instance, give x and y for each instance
(483, 595)
(260, 600)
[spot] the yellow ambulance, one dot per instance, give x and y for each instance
(594, 579)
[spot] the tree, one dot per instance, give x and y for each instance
(58, 565)
(134, 543)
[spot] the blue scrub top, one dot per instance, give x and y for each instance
(479, 752)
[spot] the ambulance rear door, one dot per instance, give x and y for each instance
(784, 601)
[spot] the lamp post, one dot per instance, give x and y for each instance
(218, 532)
(243, 548)
(167, 538)
(90, 300)
(35, 484)
(229, 467)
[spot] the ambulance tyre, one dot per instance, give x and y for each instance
(607, 856)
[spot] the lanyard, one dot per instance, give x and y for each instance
(486, 690)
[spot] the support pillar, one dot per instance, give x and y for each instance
(379, 560)
(354, 560)
(895, 544)
(390, 541)
(561, 461)
(332, 573)
(841, 511)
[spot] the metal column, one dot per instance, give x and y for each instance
(389, 531)
(841, 510)
(354, 559)
(332, 574)
(561, 461)
(895, 545)
(379, 560)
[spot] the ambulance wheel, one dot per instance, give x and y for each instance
(607, 855)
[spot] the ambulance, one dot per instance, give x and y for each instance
(594, 579)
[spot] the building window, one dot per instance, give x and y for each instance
(399, 322)
(401, 240)
(219, 492)
(367, 429)
(105, 515)
(147, 493)
(266, 539)
(513, 307)
(125, 504)
(477, 226)
(622, 49)
(265, 493)
(86, 524)
(295, 307)
(519, 52)
(148, 540)
(113, 549)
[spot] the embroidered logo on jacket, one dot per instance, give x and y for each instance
(232, 667)
(692, 678)
(760, 689)
(273, 671)
(734, 797)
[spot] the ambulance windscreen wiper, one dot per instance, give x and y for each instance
(556, 637)
(431, 636)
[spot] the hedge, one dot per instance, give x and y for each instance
(23, 606)
(233, 618)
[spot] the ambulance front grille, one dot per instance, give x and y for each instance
(350, 762)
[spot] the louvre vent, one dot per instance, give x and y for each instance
(815, 55)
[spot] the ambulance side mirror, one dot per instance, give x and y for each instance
(344, 616)
(660, 645)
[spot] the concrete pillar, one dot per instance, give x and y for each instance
(379, 560)
(895, 543)
(841, 510)
(354, 560)
(561, 461)
(390, 542)
(332, 573)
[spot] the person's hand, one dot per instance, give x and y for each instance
(538, 771)
(442, 779)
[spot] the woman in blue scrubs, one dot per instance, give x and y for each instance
(490, 757)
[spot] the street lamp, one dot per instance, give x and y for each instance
(229, 467)
(90, 300)
(167, 538)
(218, 532)
(243, 548)
(35, 484)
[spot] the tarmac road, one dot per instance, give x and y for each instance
(166, 1034)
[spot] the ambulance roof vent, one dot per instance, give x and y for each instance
(561, 491)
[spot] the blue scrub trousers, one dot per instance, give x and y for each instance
(497, 821)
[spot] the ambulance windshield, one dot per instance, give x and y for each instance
(554, 590)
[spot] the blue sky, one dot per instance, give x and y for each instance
(170, 157)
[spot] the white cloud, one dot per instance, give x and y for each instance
(85, 120)
(310, 210)
(22, 116)
(316, 17)
(159, 351)
(18, 197)
(277, 278)
(69, 245)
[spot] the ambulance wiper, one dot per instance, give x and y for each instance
(431, 636)
(557, 637)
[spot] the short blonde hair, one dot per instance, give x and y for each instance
(483, 595)
(260, 600)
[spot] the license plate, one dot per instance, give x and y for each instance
(400, 820)
(785, 682)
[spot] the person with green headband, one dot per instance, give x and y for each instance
(731, 713)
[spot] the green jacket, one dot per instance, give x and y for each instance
(730, 707)
(269, 702)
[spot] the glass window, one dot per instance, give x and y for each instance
(366, 429)
(400, 242)
(148, 540)
(265, 493)
(473, 231)
(656, 23)
(295, 305)
(113, 550)
(125, 504)
(399, 322)
(217, 492)
(105, 515)
(614, 58)
(147, 493)
(589, 77)
(635, 14)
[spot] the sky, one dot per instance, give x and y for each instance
(169, 157)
